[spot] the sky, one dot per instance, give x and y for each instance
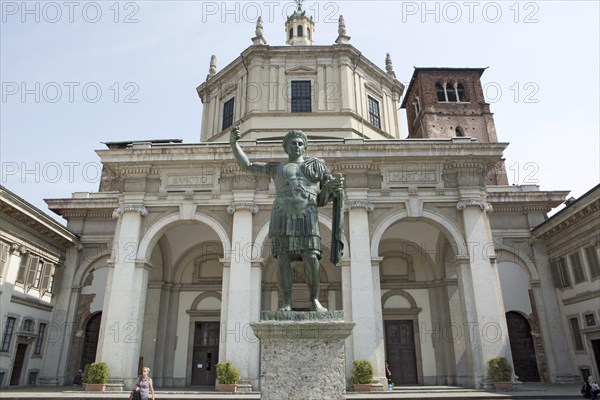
(75, 74)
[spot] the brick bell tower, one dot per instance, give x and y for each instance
(448, 102)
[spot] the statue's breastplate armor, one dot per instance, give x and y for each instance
(295, 192)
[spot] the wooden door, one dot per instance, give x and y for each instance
(401, 352)
(90, 340)
(206, 353)
(521, 346)
(15, 377)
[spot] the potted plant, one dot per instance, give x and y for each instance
(362, 375)
(228, 376)
(95, 376)
(500, 372)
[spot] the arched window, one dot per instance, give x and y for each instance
(291, 33)
(300, 33)
(461, 92)
(439, 89)
(308, 33)
(459, 132)
(451, 92)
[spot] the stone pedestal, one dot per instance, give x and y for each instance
(302, 355)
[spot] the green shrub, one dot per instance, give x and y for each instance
(227, 374)
(499, 370)
(362, 372)
(96, 373)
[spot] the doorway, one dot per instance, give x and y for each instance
(401, 352)
(205, 353)
(90, 340)
(521, 346)
(15, 377)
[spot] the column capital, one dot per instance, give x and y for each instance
(246, 205)
(376, 261)
(16, 247)
(130, 208)
(484, 205)
(226, 262)
(146, 264)
(367, 205)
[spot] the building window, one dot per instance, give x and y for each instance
(40, 339)
(8, 332)
(300, 32)
(576, 333)
(441, 92)
(22, 268)
(374, 112)
(3, 257)
(46, 284)
(32, 267)
(561, 273)
(459, 132)
(590, 319)
(591, 255)
(585, 372)
(28, 325)
(578, 273)
(291, 33)
(32, 378)
(228, 113)
(301, 96)
(450, 92)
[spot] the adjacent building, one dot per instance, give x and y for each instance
(34, 251)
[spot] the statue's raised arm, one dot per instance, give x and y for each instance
(241, 158)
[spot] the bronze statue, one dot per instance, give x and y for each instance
(302, 184)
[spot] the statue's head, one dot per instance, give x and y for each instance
(294, 134)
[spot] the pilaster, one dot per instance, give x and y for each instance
(241, 287)
(56, 352)
(367, 343)
(120, 339)
(480, 286)
(561, 364)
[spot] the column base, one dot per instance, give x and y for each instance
(302, 355)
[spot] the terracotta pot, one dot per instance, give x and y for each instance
(230, 388)
(503, 385)
(362, 387)
(94, 387)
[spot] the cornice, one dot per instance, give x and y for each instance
(571, 220)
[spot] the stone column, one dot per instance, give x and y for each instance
(378, 319)
(366, 344)
(243, 298)
(161, 335)
(485, 322)
(120, 340)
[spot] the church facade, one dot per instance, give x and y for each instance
(441, 271)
